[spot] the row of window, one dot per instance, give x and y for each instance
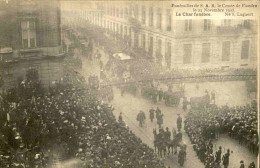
(187, 48)
(205, 57)
(134, 12)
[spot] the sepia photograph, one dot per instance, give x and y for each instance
(129, 84)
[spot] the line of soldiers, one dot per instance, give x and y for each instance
(164, 144)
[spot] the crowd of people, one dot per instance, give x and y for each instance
(204, 124)
(72, 118)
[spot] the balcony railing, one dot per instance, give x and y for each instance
(233, 29)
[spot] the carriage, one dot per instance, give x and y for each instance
(173, 98)
(130, 88)
(202, 101)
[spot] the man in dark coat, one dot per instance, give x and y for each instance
(218, 155)
(141, 118)
(181, 157)
(160, 120)
(179, 122)
(151, 111)
(226, 159)
(167, 138)
(160, 94)
(157, 112)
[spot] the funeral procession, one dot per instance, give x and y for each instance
(125, 84)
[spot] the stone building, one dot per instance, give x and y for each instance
(30, 38)
(196, 43)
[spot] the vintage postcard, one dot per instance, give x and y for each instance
(129, 84)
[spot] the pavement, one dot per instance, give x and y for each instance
(130, 105)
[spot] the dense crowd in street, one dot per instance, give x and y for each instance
(203, 125)
(73, 119)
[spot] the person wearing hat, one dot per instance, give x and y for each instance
(218, 155)
(158, 112)
(167, 138)
(160, 120)
(242, 165)
(179, 122)
(225, 159)
(151, 111)
(141, 117)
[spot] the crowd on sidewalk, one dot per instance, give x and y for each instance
(72, 118)
(204, 124)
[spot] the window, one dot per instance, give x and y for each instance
(245, 49)
(227, 22)
(168, 52)
(114, 11)
(114, 27)
(131, 10)
(143, 41)
(205, 52)
(207, 24)
(136, 40)
(187, 51)
(121, 29)
(188, 25)
(226, 51)
(28, 34)
(117, 12)
(117, 28)
(151, 45)
(125, 33)
(247, 24)
(121, 13)
(159, 18)
(143, 15)
(136, 12)
(169, 20)
(159, 47)
(151, 16)
(126, 12)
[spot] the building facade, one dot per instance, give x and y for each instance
(196, 43)
(30, 39)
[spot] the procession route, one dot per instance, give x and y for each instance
(130, 106)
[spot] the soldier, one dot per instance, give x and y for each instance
(167, 138)
(225, 159)
(160, 120)
(218, 155)
(160, 94)
(181, 157)
(151, 111)
(157, 112)
(141, 118)
(179, 137)
(179, 122)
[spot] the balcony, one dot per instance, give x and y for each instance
(234, 29)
